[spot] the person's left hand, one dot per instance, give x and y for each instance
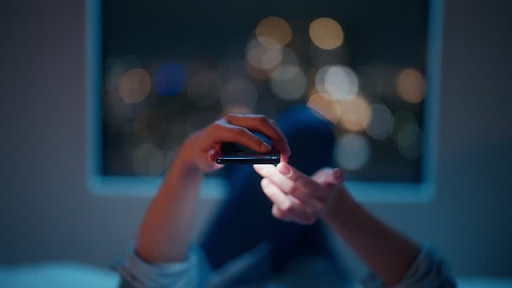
(298, 197)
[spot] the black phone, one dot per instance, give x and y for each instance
(233, 153)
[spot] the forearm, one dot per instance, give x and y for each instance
(388, 253)
(166, 229)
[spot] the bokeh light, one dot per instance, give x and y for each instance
(402, 118)
(134, 85)
(338, 81)
(238, 109)
(263, 57)
(352, 151)
(408, 134)
(326, 33)
(148, 159)
(382, 122)
(410, 85)
(274, 32)
(355, 113)
(169, 79)
(324, 105)
(204, 88)
(288, 82)
(413, 150)
(238, 93)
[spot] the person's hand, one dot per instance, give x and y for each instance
(297, 197)
(204, 145)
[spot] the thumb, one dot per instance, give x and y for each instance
(212, 156)
(329, 176)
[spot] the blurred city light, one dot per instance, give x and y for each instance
(412, 151)
(238, 93)
(261, 56)
(134, 85)
(352, 151)
(407, 134)
(339, 81)
(355, 113)
(410, 85)
(288, 82)
(289, 57)
(169, 79)
(326, 33)
(324, 105)
(382, 122)
(274, 32)
(239, 109)
(204, 88)
(344, 68)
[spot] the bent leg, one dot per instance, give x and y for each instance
(245, 219)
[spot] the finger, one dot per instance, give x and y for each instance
(293, 215)
(270, 172)
(275, 195)
(279, 214)
(285, 149)
(311, 204)
(225, 132)
(294, 188)
(301, 180)
(212, 156)
(329, 176)
(264, 125)
(300, 212)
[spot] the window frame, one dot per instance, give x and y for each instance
(215, 187)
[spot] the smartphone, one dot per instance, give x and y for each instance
(233, 153)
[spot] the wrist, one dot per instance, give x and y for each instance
(339, 207)
(186, 157)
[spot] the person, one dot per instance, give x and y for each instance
(163, 258)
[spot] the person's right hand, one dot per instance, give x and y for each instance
(203, 146)
(296, 196)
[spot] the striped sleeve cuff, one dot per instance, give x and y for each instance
(429, 270)
(136, 273)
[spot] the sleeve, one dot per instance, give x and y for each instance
(429, 270)
(136, 273)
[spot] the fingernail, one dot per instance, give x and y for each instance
(338, 174)
(284, 169)
(265, 146)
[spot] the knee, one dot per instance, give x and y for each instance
(310, 137)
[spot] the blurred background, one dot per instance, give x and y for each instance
(48, 214)
(168, 69)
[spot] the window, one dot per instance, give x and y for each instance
(159, 70)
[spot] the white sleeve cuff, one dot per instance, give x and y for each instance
(136, 273)
(429, 270)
